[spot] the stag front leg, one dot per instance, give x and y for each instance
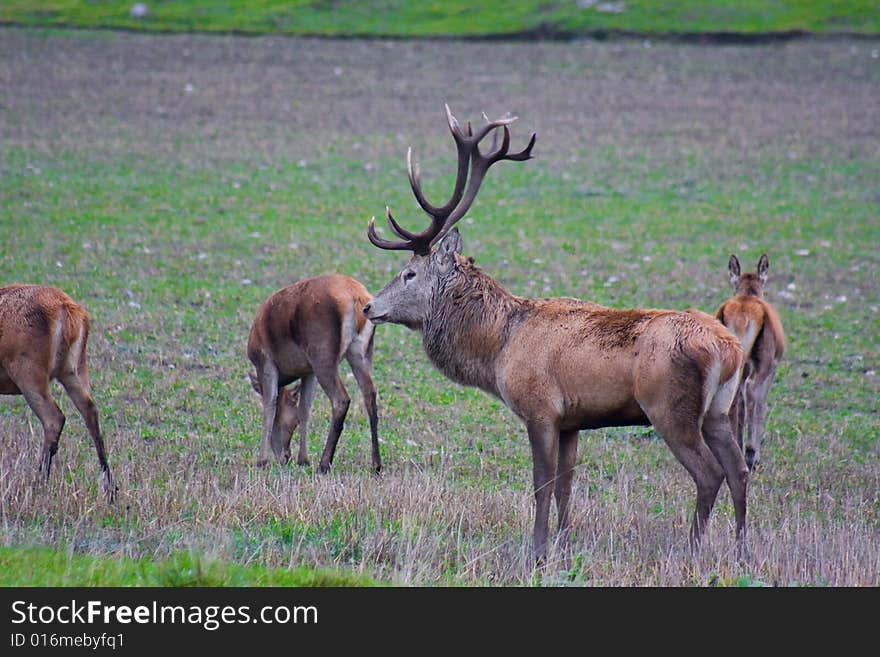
(544, 439)
(568, 443)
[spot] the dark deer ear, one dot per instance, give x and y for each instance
(255, 383)
(763, 266)
(734, 269)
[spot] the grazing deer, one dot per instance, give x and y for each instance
(302, 332)
(759, 329)
(563, 365)
(43, 336)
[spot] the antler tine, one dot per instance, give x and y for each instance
(382, 243)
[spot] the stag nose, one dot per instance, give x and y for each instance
(367, 309)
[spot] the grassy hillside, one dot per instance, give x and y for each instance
(458, 17)
(170, 183)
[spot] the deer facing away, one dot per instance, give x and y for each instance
(43, 337)
(563, 365)
(301, 333)
(756, 323)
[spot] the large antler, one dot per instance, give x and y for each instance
(470, 160)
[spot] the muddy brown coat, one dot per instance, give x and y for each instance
(750, 317)
(43, 337)
(563, 365)
(301, 333)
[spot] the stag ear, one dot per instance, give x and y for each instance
(733, 268)
(255, 383)
(763, 266)
(449, 246)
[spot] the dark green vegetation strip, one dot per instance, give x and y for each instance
(170, 183)
(412, 18)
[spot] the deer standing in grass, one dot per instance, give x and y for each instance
(757, 325)
(302, 333)
(43, 337)
(563, 365)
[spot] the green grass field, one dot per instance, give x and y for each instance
(457, 17)
(170, 183)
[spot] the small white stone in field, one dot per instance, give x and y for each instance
(134, 304)
(411, 443)
(337, 70)
(826, 307)
(611, 280)
(202, 256)
(255, 234)
(171, 366)
(802, 252)
(874, 308)
(791, 286)
(537, 261)
(58, 264)
(870, 373)
(841, 298)
(148, 250)
(825, 243)
(875, 54)
(236, 185)
(469, 220)
(368, 166)
(188, 88)
(87, 245)
(646, 258)
(302, 163)
(611, 7)
(245, 281)
(293, 245)
(646, 44)
(139, 10)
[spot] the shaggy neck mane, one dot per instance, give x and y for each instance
(469, 324)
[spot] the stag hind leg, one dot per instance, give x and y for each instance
(719, 436)
(676, 416)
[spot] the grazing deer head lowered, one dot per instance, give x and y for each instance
(301, 333)
(43, 337)
(563, 365)
(756, 323)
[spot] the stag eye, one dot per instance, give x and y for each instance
(408, 276)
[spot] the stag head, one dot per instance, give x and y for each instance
(407, 299)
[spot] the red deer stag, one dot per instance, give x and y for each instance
(43, 337)
(302, 332)
(759, 329)
(563, 365)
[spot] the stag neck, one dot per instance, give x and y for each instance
(469, 325)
